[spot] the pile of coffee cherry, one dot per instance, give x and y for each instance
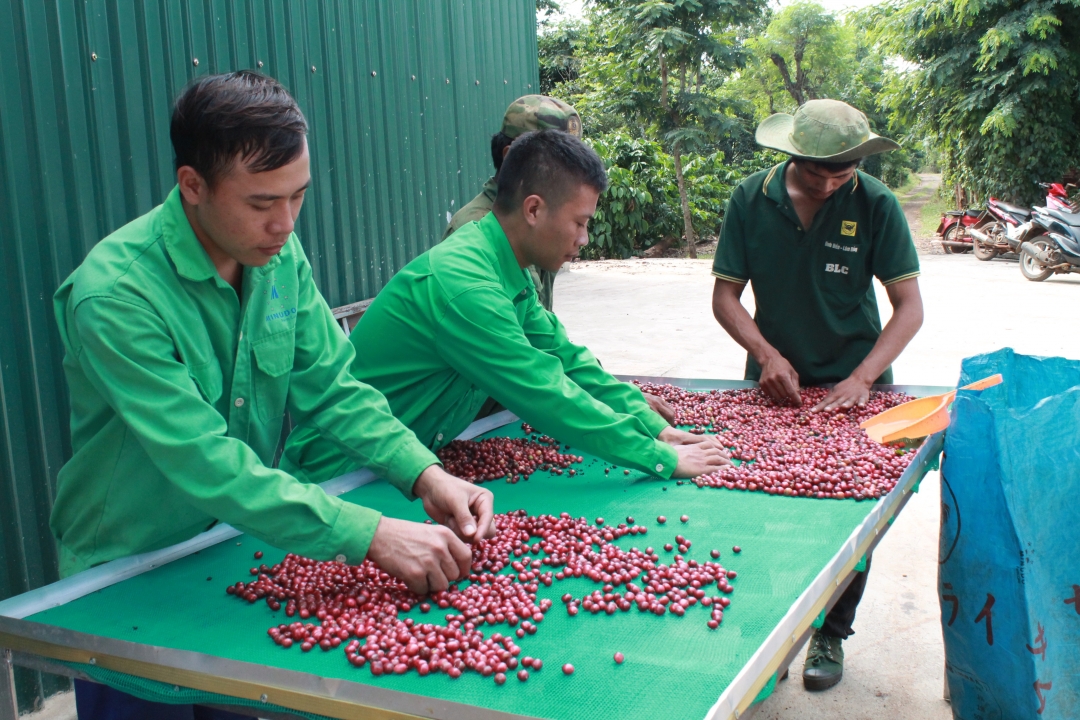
(363, 609)
(512, 459)
(792, 451)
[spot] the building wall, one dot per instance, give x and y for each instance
(401, 98)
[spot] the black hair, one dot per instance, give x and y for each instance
(499, 142)
(833, 167)
(548, 163)
(245, 115)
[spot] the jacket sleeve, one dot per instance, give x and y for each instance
(352, 415)
(126, 352)
(546, 333)
(480, 336)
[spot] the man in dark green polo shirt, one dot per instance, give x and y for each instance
(461, 323)
(809, 235)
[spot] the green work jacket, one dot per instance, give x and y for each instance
(477, 209)
(461, 323)
(178, 391)
(813, 286)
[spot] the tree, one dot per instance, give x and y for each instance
(560, 48)
(993, 84)
(667, 47)
(805, 47)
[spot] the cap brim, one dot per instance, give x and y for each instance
(774, 133)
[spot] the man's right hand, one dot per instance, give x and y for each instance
(427, 558)
(699, 459)
(779, 380)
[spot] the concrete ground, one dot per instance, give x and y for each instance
(653, 317)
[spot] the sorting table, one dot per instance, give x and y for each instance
(161, 626)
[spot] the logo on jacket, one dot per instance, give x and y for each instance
(847, 227)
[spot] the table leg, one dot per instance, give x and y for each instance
(9, 705)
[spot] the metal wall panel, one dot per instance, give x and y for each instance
(401, 97)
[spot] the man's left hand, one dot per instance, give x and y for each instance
(461, 506)
(660, 406)
(845, 395)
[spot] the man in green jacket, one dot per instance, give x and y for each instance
(810, 235)
(191, 331)
(527, 113)
(461, 323)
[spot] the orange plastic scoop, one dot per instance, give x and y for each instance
(918, 418)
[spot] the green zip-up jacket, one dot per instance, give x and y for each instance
(178, 391)
(476, 209)
(461, 323)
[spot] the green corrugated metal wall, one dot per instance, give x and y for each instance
(401, 97)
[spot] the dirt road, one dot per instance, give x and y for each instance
(912, 202)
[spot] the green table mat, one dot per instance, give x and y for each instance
(675, 667)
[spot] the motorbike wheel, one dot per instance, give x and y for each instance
(1031, 267)
(952, 235)
(984, 252)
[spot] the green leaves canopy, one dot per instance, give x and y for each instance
(995, 84)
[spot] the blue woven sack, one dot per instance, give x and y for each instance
(1009, 564)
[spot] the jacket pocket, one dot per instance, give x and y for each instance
(274, 361)
(207, 378)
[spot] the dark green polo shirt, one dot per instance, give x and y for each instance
(813, 286)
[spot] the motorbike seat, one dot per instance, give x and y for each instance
(973, 213)
(1071, 219)
(954, 213)
(1014, 209)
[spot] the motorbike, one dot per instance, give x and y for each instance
(1005, 228)
(998, 222)
(1057, 196)
(953, 229)
(1056, 249)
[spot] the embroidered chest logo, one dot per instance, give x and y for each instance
(283, 312)
(847, 227)
(836, 268)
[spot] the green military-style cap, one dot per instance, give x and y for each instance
(540, 112)
(826, 130)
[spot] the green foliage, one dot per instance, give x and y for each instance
(671, 52)
(803, 54)
(994, 86)
(641, 205)
(561, 49)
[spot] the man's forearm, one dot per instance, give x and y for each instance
(733, 317)
(902, 326)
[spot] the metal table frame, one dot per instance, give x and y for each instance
(46, 648)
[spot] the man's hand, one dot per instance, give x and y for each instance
(779, 380)
(676, 437)
(427, 558)
(660, 406)
(845, 395)
(699, 459)
(461, 506)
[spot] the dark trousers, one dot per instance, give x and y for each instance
(101, 702)
(839, 620)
